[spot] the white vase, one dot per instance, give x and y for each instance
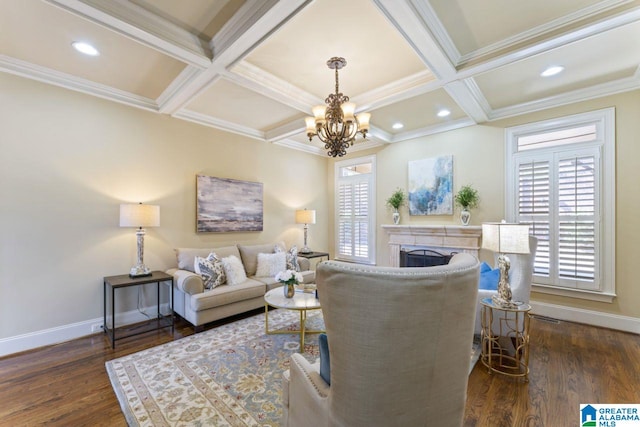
(465, 216)
(396, 217)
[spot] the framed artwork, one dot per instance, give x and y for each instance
(431, 186)
(224, 205)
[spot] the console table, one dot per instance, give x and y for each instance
(124, 281)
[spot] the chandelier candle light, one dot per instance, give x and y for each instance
(336, 124)
(132, 215)
(305, 217)
(505, 238)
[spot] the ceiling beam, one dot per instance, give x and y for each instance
(253, 23)
(132, 21)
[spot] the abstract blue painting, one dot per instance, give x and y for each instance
(431, 186)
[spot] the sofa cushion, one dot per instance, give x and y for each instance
(271, 264)
(223, 295)
(211, 270)
(234, 270)
(249, 256)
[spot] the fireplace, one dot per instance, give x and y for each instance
(423, 258)
(444, 239)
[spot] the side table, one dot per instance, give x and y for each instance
(505, 350)
(314, 254)
(124, 281)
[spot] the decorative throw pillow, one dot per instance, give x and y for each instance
(271, 264)
(292, 257)
(325, 366)
(234, 270)
(489, 280)
(211, 270)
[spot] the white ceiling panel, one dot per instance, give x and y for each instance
(235, 104)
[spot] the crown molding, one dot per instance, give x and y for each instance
(254, 22)
(287, 130)
(209, 121)
(186, 77)
(613, 22)
(469, 97)
(258, 80)
(399, 90)
(431, 130)
(430, 18)
(132, 21)
(409, 23)
(67, 81)
(295, 145)
(511, 43)
(604, 89)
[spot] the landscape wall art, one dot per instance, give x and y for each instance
(228, 205)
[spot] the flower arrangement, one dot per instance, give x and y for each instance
(289, 277)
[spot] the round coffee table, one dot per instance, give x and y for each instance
(301, 302)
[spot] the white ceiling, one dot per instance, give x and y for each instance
(256, 67)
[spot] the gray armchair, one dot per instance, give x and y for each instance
(520, 278)
(399, 342)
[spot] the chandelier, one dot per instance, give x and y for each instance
(336, 124)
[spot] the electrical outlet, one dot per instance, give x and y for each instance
(96, 328)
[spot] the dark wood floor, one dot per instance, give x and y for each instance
(67, 384)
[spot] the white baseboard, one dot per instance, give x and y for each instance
(588, 317)
(69, 332)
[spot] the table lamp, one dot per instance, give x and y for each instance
(305, 217)
(132, 215)
(505, 238)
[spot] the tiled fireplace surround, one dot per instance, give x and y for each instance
(442, 238)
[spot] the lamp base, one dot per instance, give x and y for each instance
(305, 250)
(500, 302)
(140, 270)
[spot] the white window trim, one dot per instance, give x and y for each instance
(605, 119)
(372, 208)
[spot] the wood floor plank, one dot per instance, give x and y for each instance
(67, 384)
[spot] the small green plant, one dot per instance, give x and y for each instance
(398, 198)
(467, 197)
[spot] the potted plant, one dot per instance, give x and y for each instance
(467, 198)
(397, 199)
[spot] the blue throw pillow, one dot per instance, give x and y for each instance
(325, 370)
(484, 267)
(489, 280)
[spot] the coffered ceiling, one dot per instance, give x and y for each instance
(256, 67)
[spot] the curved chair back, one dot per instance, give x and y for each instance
(399, 341)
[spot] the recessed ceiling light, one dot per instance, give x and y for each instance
(85, 48)
(397, 126)
(552, 71)
(443, 113)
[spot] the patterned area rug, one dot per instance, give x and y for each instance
(227, 376)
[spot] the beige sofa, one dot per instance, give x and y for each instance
(200, 306)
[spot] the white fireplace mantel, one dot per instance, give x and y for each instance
(451, 238)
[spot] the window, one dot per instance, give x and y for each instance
(561, 182)
(355, 210)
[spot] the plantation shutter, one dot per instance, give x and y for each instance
(534, 209)
(577, 190)
(353, 214)
(557, 195)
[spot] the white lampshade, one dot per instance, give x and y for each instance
(311, 125)
(305, 216)
(348, 109)
(505, 238)
(139, 215)
(363, 120)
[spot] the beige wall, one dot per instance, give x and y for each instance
(478, 157)
(68, 160)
